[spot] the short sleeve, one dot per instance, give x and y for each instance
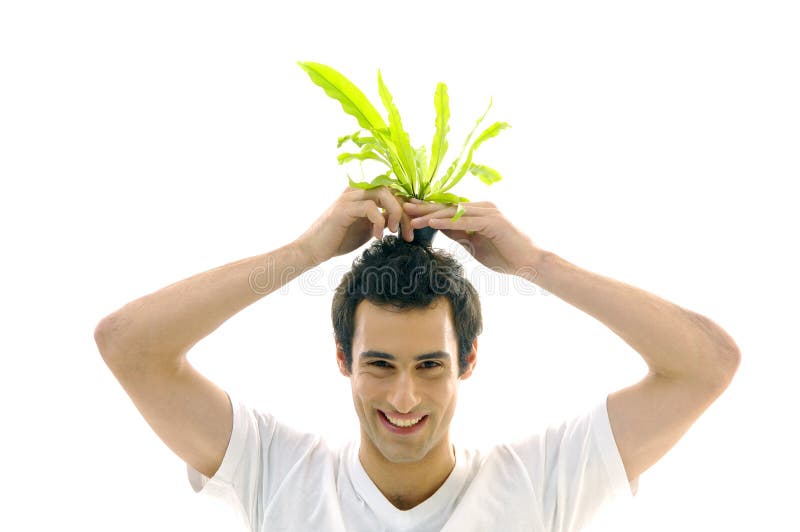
(236, 481)
(260, 456)
(575, 469)
(607, 445)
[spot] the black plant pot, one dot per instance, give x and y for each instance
(422, 236)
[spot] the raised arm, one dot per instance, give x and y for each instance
(692, 360)
(161, 327)
(145, 343)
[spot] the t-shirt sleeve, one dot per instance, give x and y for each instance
(259, 455)
(575, 469)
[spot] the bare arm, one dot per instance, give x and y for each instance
(167, 323)
(691, 359)
(674, 342)
(145, 342)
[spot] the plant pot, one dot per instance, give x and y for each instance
(422, 236)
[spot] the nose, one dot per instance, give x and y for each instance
(403, 396)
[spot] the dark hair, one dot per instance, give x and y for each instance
(405, 275)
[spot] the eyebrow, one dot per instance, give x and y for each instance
(436, 355)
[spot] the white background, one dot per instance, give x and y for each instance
(141, 143)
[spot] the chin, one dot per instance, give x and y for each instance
(404, 457)
(403, 453)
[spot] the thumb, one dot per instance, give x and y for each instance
(463, 238)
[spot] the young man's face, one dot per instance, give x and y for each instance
(404, 385)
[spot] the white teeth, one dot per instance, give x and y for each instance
(401, 423)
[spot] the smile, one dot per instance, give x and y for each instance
(402, 427)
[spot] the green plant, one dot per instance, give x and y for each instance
(410, 173)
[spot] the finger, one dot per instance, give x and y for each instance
(383, 197)
(468, 224)
(397, 216)
(463, 238)
(408, 229)
(387, 216)
(368, 209)
(469, 211)
(392, 204)
(419, 209)
(416, 201)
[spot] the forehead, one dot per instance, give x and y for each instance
(404, 332)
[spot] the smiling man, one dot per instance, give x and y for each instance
(405, 402)
(406, 323)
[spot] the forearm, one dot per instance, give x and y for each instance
(673, 341)
(165, 324)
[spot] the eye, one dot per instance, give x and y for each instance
(377, 362)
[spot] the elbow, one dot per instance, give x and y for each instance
(728, 355)
(731, 359)
(105, 333)
(727, 364)
(101, 335)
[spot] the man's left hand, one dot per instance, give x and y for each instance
(482, 230)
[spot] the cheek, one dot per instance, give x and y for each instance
(450, 398)
(364, 393)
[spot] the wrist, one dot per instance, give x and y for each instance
(304, 256)
(533, 264)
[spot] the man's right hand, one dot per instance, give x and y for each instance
(351, 220)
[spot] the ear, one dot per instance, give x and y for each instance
(340, 360)
(472, 360)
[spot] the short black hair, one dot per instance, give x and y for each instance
(394, 273)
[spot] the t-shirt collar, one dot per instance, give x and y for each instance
(416, 516)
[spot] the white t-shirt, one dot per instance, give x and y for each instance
(282, 479)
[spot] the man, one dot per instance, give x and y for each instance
(406, 324)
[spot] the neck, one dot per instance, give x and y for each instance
(407, 484)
